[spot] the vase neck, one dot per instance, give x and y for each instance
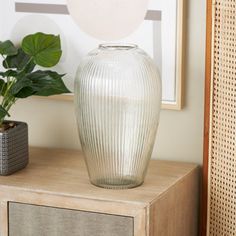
(109, 46)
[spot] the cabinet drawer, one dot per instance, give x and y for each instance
(33, 220)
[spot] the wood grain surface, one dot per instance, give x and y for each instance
(58, 178)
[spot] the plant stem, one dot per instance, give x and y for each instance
(8, 99)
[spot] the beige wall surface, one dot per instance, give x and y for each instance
(180, 135)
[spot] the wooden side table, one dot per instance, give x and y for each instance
(53, 197)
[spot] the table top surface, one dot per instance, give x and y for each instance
(63, 172)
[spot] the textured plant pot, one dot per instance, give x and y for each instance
(14, 151)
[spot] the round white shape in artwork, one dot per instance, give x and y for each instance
(108, 19)
(33, 23)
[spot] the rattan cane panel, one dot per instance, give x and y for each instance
(222, 172)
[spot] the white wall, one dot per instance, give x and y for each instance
(180, 135)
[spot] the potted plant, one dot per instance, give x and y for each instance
(22, 78)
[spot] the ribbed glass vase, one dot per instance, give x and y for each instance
(118, 100)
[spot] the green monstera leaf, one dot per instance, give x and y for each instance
(19, 61)
(7, 48)
(8, 73)
(41, 83)
(44, 48)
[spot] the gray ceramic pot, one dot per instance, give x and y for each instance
(14, 150)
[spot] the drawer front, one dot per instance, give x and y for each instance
(33, 220)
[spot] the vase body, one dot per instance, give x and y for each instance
(118, 101)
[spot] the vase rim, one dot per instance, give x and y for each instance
(117, 46)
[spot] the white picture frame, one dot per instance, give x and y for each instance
(160, 35)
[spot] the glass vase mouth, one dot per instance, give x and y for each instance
(112, 46)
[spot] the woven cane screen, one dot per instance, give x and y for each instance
(222, 168)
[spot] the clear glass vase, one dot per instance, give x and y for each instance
(118, 101)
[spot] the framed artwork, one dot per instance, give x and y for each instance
(160, 35)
